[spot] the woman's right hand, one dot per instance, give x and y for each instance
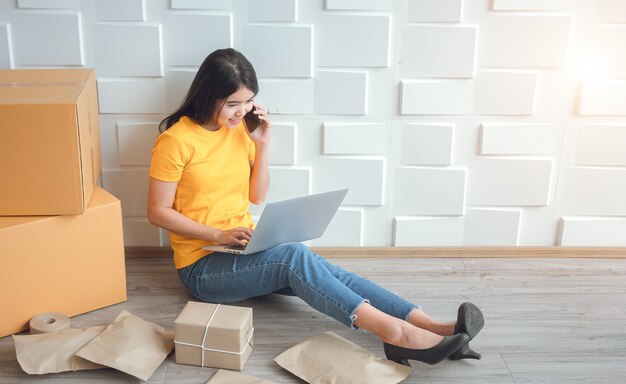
(234, 236)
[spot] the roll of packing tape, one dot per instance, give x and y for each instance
(49, 322)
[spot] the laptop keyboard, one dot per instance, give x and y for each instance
(237, 247)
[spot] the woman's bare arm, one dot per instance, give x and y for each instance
(160, 213)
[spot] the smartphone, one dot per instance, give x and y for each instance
(252, 120)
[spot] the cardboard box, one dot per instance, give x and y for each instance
(213, 335)
(69, 264)
(50, 156)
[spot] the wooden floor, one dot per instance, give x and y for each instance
(548, 320)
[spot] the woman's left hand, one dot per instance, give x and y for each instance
(261, 135)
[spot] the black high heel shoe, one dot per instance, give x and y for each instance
(432, 355)
(470, 321)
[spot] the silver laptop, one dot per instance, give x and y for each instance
(293, 220)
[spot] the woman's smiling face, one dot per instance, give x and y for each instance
(235, 107)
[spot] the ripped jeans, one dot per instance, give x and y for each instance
(289, 269)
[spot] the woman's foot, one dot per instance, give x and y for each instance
(433, 355)
(424, 321)
(412, 337)
(403, 334)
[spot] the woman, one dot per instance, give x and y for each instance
(206, 169)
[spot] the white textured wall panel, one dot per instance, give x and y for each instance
(120, 10)
(49, 4)
(293, 97)
(132, 96)
(116, 49)
(135, 142)
(139, 232)
(200, 4)
(610, 11)
(358, 5)
(286, 183)
(131, 187)
(513, 182)
(505, 93)
(345, 229)
(592, 231)
(108, 141)
(426, 191)
(603, 98)
(354, 139)
(427, 144)
(340, 93)
(518, 139)
(177, 82)
(437, 51)
(364, 177)
(524, 41)
(437, 97)
(283, 144)
(492, 227)
(48, 38)
(601, 52)
(272, 10)
(279, 51)
(428, 231)
(428, 11)
(601, 145)
(533, 5)
(190, 37)
(353, 41)
(6, 47)
(594, 192)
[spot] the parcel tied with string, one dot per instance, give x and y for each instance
(213, 335)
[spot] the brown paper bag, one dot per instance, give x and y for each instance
(230, 377)
(130, 344)
(329, 358)
(55, 352)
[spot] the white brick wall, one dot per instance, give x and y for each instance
(453, 122)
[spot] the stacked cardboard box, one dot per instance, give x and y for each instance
(61, 245)
(49, 141)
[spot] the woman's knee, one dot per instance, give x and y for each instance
(296, 249)
(300, 255)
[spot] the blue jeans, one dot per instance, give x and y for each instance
(289, 269)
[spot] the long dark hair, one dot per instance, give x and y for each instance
(221, 74)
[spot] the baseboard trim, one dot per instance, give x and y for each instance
(436, 252)
(476, 252)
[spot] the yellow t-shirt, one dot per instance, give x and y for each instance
(212, 169)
